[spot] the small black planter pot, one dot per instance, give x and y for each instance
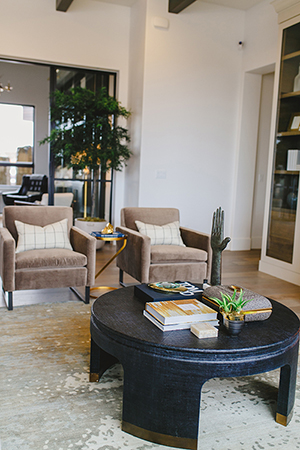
(233, 327)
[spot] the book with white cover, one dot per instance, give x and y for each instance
(175, 326)
(180, 311)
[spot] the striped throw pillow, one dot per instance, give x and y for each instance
(168, 234)
(33, 237)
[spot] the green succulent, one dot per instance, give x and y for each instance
(231, 304)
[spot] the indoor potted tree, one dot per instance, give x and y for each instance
(231, 308)
(86, 137)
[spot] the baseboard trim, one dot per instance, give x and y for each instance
(279, 272)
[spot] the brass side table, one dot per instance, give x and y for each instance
(107, 238)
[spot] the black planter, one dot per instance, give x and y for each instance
(233, 327)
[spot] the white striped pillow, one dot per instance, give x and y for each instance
(33, 237)
(168, 234)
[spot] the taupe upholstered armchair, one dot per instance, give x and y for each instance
(151, 263)
(44, 268)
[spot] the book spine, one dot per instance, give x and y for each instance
(176, 326)
(180, 319)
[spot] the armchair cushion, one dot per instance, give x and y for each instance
(168, 234)
(175, 254)
(47, 258)
(32, 237)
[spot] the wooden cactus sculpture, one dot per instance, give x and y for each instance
(218, 244)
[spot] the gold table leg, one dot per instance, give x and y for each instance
(100, 288)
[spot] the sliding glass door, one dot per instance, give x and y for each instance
(64, 179)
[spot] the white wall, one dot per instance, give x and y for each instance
(263, 142)
(259, 57)
(261, 36)
(185, 90)
(135, 99)
(91, 34)
(245, 163)
(190, 110)
(195, 154)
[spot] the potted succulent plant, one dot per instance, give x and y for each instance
(231, 308)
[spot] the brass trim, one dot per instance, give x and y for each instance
(237, 288)
(114, 256)
(159, 438)
(255, 311)
(100, 288)
(210, 300)
(159, 288)
(283, 420)
(249, 311)
(108, 238)
(94, 377)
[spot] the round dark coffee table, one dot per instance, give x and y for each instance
(164, 372)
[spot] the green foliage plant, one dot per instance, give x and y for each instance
(86, 134)
(231, 305)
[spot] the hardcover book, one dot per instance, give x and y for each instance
(180, 311)
(147, 294)
(176, 326)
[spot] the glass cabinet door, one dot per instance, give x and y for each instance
(286, 163)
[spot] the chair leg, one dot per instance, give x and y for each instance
(9, 302)
(121, 274)
(87, 295)
(86, 298)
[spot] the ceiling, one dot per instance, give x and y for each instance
(239, 4)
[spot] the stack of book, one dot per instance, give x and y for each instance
(172, 315)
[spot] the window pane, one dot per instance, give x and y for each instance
(16, 141)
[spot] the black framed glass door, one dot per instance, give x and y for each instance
(64, 179)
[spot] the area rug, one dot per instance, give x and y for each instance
(47, 402)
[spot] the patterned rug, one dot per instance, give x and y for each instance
(47, 402)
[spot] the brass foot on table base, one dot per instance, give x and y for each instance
(159, 438)
(283, 420)
(94, 377)
(98, 290)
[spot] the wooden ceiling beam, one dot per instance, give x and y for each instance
(176, 6)
(63, 5)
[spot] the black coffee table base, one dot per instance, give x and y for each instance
(162, 384)
(161, 398)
